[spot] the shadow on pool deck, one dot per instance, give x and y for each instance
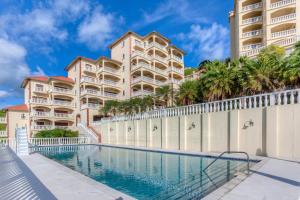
(278, 178)
(17, 181)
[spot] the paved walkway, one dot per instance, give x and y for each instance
(65, 183)
(17, 181)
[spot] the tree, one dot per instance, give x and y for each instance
(111, 106)
(188, 93)
(164, 93)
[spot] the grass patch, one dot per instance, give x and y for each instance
(56, 133)
(2, 113)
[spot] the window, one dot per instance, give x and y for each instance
(123, 68)
(123, 92)
(123, 43)
(123, 56)
(23, 116)
(75, 68)
(123, 80)
(39, 88)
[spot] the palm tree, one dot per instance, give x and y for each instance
(147, 103)
(111, 106)
(188, 93)
(164, 93)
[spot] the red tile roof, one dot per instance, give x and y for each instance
(62, 78)
(22, 107)
(46, 79)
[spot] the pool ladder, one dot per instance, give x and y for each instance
(231, 152)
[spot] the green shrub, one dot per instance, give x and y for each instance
(2, 113)
(56, 133)
(2, 127)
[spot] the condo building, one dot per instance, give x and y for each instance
(255, 24)
(138, 65)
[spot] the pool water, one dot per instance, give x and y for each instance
(146, 174)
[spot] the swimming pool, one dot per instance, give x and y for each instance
(146, 174)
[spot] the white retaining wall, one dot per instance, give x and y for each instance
(272, 131)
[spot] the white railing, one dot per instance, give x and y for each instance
(252, 52)
(162, 71)
(252, 7)
(3, 120)
(90, 91)
(110, 82)
(90, 105)
(283, 18)
(281, 3)
(89, 132)
(3, 133)
(252, 46)
(246, 102)
(90, 69)
(42, 127)
(159, 58)
(158, 82)
(62, 115)
(176, 58)
(252, 33)
(39, 101)
(88, 79)
(142, 64)
(284, 33)
(286, 42)
(252, 20)
(58, 141)
(137, 93)
(62, 90)
(40, 114)
(175, 81)
(109, 69)
(139, 43)
(39, 89)
(157, 45)
(109, 94)
(180, 71)
(143, 78)
(139, 53)
(61, 102)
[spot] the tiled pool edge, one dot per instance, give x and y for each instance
(111, 192)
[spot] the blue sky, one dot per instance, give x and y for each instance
(42, 37)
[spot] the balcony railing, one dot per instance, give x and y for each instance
(252, 20)
(40, 142)
(159, 58)
(252, 33)
(109, 70)
(3, 133)
(61, 102)
(157, 45)
(90, 91)
(110, 82)
(252, 52)
(180, 71)
(40, 114)
(287, 42)
(39, 89)
(158, 82)
(39, 101)
(279, 4)
(90, 69)
(62, 115)
(142, 64)
(88, 79)
(139, 44)
(283, 18)
(2, 120)
(91, 106)
(62, 90)
(143, 78)
(175, 81)
(252, 46)
(142, 93)
(110, 94)
(139, 53)
(252, 7)
(42, 127)
(284, 33)
(178, 59)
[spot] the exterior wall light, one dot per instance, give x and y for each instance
(248, 124)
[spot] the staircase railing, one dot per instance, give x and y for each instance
(89, 131)
(231, 152)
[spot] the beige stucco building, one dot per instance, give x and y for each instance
(137, 67)
(255, 24)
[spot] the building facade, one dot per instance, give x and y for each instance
(255, 24)
(137, 67)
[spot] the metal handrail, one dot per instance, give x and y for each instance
(231, 152)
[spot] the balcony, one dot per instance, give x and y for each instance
(286, 42)
(252, 33)
(62, 90)
(159, 58)
(40, 114)
(88, 80)
(174, 69)
(252, 46)
(39, 89)
(110, 82)
(49, 127)
(62, 115)
(39, 101)
(90, 92)
(89, 68)
(110, 94)
(142, 65)
(139, 53)
(157, 45)
(252, 52)
(160, 83)
(3, 133)
(175, 81)
(142, 93)
(284, 33)
(2, 120)
(283, 18)
(109, 70)
(252, 7)
(143, 78)
(252, 20)
(283, 3)
(139, 44)
(178, 59)
(62, 103)
(94, 106)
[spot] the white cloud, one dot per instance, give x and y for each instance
(178, 11)
(96, 30)
(206, 42)
(3, 94)
(13, 67)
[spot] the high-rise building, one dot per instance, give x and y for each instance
(255, 24)
(137, 67)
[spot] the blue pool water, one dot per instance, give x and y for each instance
(145, 174)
